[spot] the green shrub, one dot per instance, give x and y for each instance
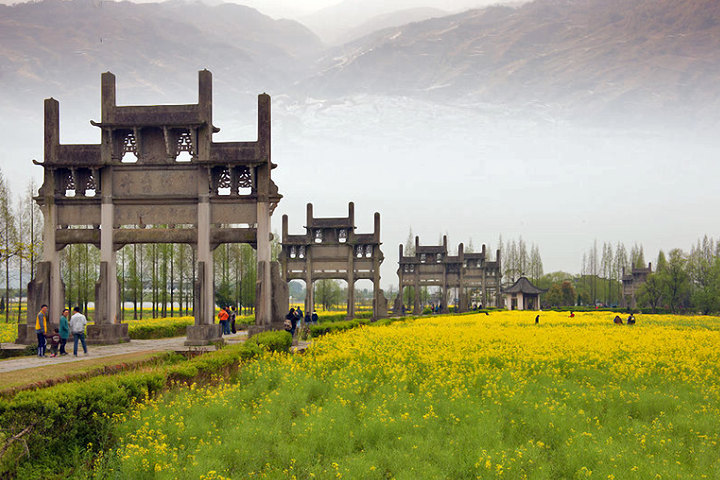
(76, 416)
(275, 341)
(324, 328)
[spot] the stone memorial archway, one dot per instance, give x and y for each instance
(431, 265)
(331, 249)
(158, 166)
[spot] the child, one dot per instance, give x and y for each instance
(54, 342)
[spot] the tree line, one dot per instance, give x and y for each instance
(20, 244)
(684, 281)
(600, 280)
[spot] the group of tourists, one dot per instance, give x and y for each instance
(57, 339)
(295, 316)
(226, 318)
(619, 321)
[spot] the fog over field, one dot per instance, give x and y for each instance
(467, 151)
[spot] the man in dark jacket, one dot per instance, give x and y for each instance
(290, 321)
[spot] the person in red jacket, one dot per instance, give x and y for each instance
(223, 319)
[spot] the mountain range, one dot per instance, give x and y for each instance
(591, 58)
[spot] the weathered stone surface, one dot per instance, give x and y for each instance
(203, 334)
(38, 295)
(107, 334)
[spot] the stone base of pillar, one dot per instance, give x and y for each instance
(279, 297)
(198, 335)
(380, 306)
(274, 326)
(107, 334)
(26, 334)
(398, 306)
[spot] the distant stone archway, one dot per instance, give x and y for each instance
(431, 265)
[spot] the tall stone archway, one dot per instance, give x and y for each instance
(156, 165)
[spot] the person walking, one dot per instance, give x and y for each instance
(77, 327)
(298, 318)
(290, 322)
(41, 329)
(64, 331)
(223, 320)
(231, 319)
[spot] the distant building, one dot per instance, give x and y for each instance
(522, 295)
(631, 283)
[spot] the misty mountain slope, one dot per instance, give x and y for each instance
(593, 56)
(351, 19)
(388, 20)
(64, 45)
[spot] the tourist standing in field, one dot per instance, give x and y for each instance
(77, 327)
(64, 330)
(290, 322)
(233, 315)
(41, 329)
(298, 318)
(223, 320)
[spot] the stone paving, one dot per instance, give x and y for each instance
(98, 351)
(175, 344)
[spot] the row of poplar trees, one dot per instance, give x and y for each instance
(155, 280)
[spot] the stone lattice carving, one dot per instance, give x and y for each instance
(222, 181)
(245, 183)
(185, 143)
(129, 145)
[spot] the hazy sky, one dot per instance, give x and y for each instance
(473, 173)
(298, 8)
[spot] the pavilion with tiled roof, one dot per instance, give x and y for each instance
(522, 295)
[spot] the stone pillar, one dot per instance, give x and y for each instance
(445, 308)
(205, 330)
(49, 209)
(416, 297)
(498, 281)
(397, 306)
(378, 294)
(52, 257)
(263, 312)
(351, 280)
(38, 294)
(462, 297)
(106, 329)
(309, 294)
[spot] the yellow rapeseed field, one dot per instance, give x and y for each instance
(474, 396)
